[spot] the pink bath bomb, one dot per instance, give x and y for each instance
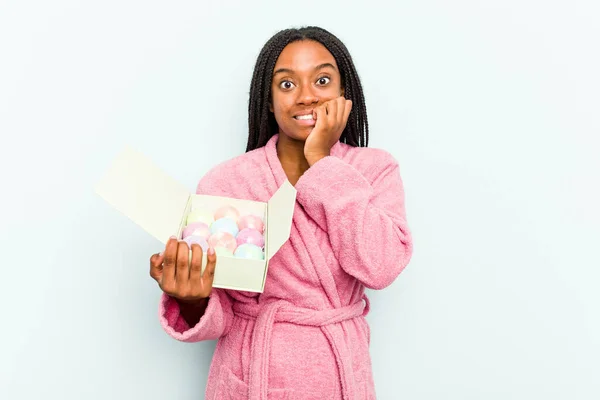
(197, 229)
(227, 211)
(250, 236)
(252, 222)
(198, 240)
(223, 239)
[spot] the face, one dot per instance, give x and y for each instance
(305, 76)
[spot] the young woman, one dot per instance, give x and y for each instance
(305, 337)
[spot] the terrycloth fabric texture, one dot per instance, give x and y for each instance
(305, 337)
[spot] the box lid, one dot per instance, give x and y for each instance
(144, 193)
(280, 209)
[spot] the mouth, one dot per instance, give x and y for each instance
(305, 120)
(305, 117)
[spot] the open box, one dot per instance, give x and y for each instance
(159, 204)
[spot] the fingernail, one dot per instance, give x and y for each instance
(173, 237)
(211, 251)
(160, 254)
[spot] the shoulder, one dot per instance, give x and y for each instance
(226, 175)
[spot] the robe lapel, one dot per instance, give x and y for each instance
(313, 258)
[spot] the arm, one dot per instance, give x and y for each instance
(210, 318)
(365, 221)
(191, 312)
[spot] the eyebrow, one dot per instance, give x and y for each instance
(289, 71)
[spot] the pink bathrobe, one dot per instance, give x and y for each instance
(305, 337)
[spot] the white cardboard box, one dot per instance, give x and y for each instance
(159, 204)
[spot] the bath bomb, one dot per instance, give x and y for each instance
(227, 212)
(250, 236)
(197, 229)
(225, 224)
(222, 239)
(251, 221)
(250, 251)
(198, 240)
(200, 216)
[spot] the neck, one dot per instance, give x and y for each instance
(291, 156)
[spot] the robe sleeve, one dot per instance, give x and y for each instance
(365, 219)
(218, 317)
(213, 325)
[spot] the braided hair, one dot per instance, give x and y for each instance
(261, 121)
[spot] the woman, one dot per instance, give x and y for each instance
(305, 336)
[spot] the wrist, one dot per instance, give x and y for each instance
(314, 158)
(195, 303)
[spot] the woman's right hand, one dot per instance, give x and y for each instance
(179, 278)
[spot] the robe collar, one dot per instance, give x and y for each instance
(275, 164)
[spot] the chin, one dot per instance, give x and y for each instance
(297, 135)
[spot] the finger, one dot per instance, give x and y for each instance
(156, 268)
(196, 263)
(169, 259)
(319, 114)
(209, 272)
(182, 271)
(347, 110)
(341, 110)
(333, 119)
(332, 112)
(326, 123)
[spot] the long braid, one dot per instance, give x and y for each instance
(261, 122)
(357, 121)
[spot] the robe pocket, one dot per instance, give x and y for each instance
(230, 387)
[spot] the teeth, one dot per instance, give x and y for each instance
(304, 116)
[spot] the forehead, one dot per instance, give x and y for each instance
(304, 56)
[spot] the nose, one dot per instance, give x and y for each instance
(306, 95)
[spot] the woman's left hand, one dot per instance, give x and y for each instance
(331, 118)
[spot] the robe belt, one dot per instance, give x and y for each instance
(266, 315)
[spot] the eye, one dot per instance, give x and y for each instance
(286, 85)
(324, 80)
